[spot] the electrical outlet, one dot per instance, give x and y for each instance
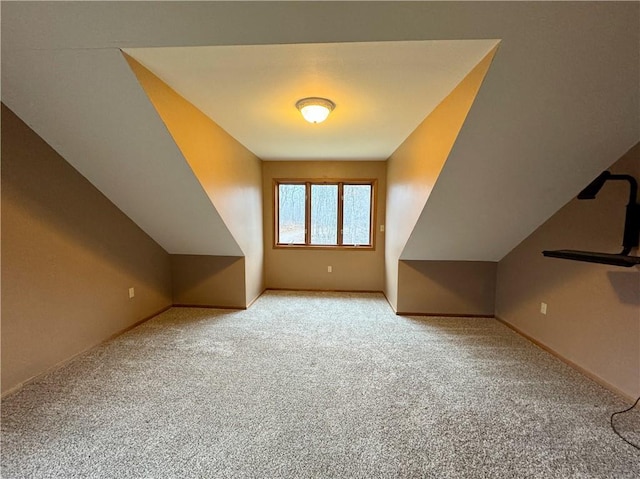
(381, 228)
(329, 269)
(132, 292)
(543, 308)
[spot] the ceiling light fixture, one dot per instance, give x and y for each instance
(315, 110)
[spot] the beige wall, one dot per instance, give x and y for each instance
(229, 173)
(415, 166)
(208, 280)
(359, 270)
(447, 287)
(593, 316)
(69, 257)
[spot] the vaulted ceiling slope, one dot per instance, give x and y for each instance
(559, 104)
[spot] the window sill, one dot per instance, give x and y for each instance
(325, 247)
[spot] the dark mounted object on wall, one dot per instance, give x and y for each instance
(593, 257)
(631, 235)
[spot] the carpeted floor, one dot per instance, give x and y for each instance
(322, 385)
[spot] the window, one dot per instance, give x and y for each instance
(324, 214)
(292, 213)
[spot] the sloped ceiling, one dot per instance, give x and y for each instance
(559, 104)
(90, 108)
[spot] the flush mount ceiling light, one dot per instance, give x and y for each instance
(315, 110)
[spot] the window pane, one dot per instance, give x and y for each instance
(356, 219)
(324, 214)
(291, 214)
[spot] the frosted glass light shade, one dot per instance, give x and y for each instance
(315, 110)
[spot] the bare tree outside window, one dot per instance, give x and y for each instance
(356, 214)
(291, 214)
(325, 214)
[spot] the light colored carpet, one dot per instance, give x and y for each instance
(318, 385)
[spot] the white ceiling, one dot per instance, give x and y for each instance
(382, 91)
(559, 104)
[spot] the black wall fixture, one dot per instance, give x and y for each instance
(631, 235)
